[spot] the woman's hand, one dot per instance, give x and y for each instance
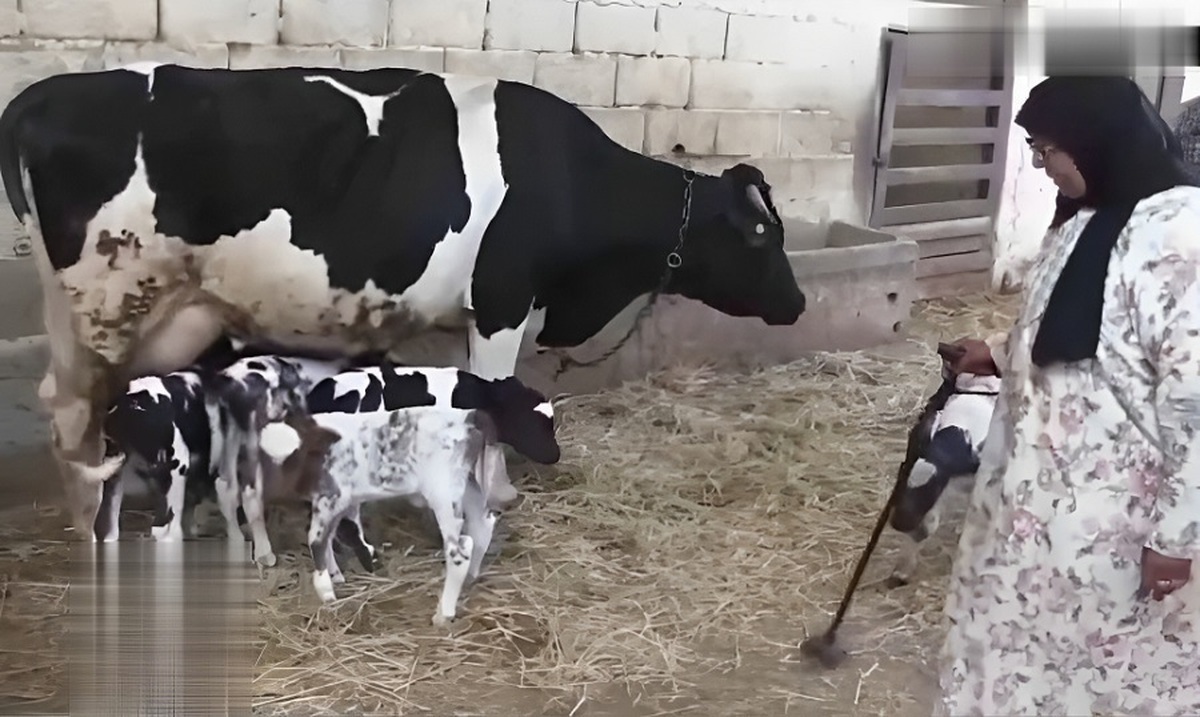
(969, 356)
(1161, 575)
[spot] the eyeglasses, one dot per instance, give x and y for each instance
(1040, 153)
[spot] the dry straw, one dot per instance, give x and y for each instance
(696, 526)
(699, 525)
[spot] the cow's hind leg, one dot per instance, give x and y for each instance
(77, 445)
(457, 548)
(108, 519)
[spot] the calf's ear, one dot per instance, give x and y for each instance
(326, 437)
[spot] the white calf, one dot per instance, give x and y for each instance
(338, 461)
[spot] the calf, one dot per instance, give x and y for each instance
(951, 440)
(247, 395)
(341, 460)
(162, 424)
(524, 419)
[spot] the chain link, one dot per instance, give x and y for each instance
(674, 261)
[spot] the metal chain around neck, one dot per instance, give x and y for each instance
(674, 261)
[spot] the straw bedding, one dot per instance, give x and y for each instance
(698, 526)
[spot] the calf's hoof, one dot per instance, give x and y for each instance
(323, 584)
(896, 581)
(440, 620)
(267, 560)
(164, 534)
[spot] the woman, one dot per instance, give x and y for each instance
(1070, 594)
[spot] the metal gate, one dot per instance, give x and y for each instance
(941, 146)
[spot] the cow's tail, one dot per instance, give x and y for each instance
(56, 309)
(10, 157)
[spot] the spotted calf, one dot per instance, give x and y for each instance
(524, 419)
(340, 460)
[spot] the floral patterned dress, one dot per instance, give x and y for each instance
(1084, 465)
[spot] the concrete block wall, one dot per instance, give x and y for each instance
(785, 84)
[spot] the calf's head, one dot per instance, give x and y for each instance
(292, 453)
(523, 419)
(733, 258)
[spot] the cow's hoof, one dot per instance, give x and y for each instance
(896, 581)
(440, 620)
(267, 560)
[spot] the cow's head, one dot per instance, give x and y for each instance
(733, 257)
(524, 419)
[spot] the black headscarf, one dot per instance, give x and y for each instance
(1125, 152)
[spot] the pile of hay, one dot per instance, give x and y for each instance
(698, 526)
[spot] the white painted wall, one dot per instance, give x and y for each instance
(1027, 202)
(786, 84)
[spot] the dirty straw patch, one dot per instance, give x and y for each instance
(698, 526)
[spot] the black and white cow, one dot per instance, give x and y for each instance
(347, 211)
(523, 418)
(161, 425)
(951, 441)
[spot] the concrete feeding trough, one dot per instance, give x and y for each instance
(860, 284)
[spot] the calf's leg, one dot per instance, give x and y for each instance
(479, 524)
(326, 510)
(252, 500)
(350, 532)
(457, 548)
(176, 493)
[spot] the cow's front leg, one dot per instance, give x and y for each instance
(108, 519)
(78, 449)
(495, 356)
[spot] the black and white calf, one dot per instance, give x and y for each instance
(341, 460)
(951, 440)
(247, 395)
(524, 419)
(161, 426)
